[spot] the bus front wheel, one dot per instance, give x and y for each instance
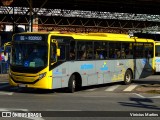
(72, 84)
(128, 77)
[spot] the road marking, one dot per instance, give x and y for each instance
(13, 109)
(139, 95)
(95, 96)
(3, 86)
(90, 90)
(112, 88)
(6, 93)
(153, 97)
(3, 109)
(130, 88)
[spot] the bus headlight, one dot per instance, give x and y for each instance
(42, 75)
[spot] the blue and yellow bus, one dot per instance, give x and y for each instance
(72, 60)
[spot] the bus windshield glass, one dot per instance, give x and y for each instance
(29, 55)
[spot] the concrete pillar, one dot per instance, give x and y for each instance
(35, 23)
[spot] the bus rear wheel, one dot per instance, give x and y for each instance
(72, 84)
(128, 77)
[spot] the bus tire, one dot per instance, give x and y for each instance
(72, 84)
(128, 77)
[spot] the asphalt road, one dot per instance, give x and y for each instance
(109, 101)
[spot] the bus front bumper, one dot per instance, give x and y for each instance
(25, 81)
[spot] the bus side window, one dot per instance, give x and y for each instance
(89, 50)
(115, 50)
(148, 50)
(127, 50)
(139, 50)
(81, 48)
(72, 52)
(63, 52)
(53, 56)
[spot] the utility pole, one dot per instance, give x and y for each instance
(31, 17)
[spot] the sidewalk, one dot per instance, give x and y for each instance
(150, 84)
(3, 77)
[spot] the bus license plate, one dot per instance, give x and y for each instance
(22, 85)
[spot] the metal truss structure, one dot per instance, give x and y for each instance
(78, 20)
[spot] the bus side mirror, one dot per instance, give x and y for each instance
(58, 52)
(53, 41)
(6, 45)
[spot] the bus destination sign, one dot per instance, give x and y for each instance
(28, 38)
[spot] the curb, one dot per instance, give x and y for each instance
(4, 77)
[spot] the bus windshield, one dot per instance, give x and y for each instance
(29, 55)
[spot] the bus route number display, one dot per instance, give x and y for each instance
(29, 38)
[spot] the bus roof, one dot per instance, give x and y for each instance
(95, 36)
(157, 42)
